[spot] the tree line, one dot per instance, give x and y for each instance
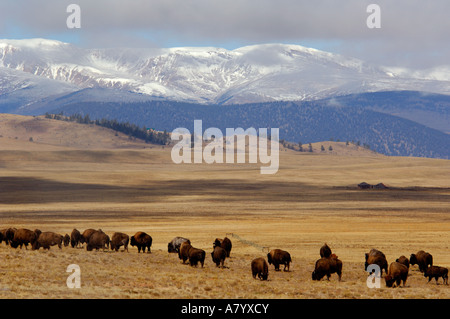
(132, 130)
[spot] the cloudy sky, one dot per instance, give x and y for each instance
(413, 33)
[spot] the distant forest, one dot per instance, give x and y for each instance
(132, 130)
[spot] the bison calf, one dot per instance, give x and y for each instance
(279, 257)
(260, 268)
(397, 272)
(327, 266)
(436, 272)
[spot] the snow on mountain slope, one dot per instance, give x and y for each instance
(208, 75)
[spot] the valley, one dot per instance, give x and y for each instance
(60, 182)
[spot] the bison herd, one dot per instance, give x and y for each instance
(395, 274)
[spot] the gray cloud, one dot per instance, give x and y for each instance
(413, 32)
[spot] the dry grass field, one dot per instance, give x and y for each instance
(118, 185)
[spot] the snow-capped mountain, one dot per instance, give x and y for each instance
(204, 75)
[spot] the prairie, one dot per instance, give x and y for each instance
(130, 186)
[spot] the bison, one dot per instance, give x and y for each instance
(24, 236)
(403, 260)
(376, 257)
(325, 251)
(86, 235)
(97, 240)
(66, 240)
(75, 238)
(422, 259)
(260, 268)
(119, 239)
(8, 234)
(279, 257)
(397, 273)
(141, 240)
(174, 245)
(196, 255)
(183, 252)
(224, 243)
(47, 239)
(218, 256)
(436, 272)
(327, 266)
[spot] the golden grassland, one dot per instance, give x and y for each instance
(312, 199)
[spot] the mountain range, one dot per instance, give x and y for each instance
(310, 95)
(207, 75)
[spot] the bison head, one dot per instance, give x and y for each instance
(314, 276)
(389, 280)
(217, 243)
(14, 244)
(413, 259)
(269, 258)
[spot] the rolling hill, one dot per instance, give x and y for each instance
(305, 122)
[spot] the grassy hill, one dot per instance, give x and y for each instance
(35, 132)
(307, 122)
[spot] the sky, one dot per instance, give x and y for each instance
(412, 33)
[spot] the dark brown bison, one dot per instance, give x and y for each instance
(196, 255)
(327, 266)
(218, 256)
(325, 251)
(397, 273)
(279, 257)
(403, 260)
(260, 268)
(98, 239)
(183, 252)
(436, 272)
(119, 239)
(8, 234)
(66, 240)
(75, 238)
(86, 235)
(47, 239)
(174, 245)
(141, 240)
(422, 259)
(224, 243)
(24, 236)
(376, 257)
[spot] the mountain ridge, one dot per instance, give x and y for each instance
(209, 75)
